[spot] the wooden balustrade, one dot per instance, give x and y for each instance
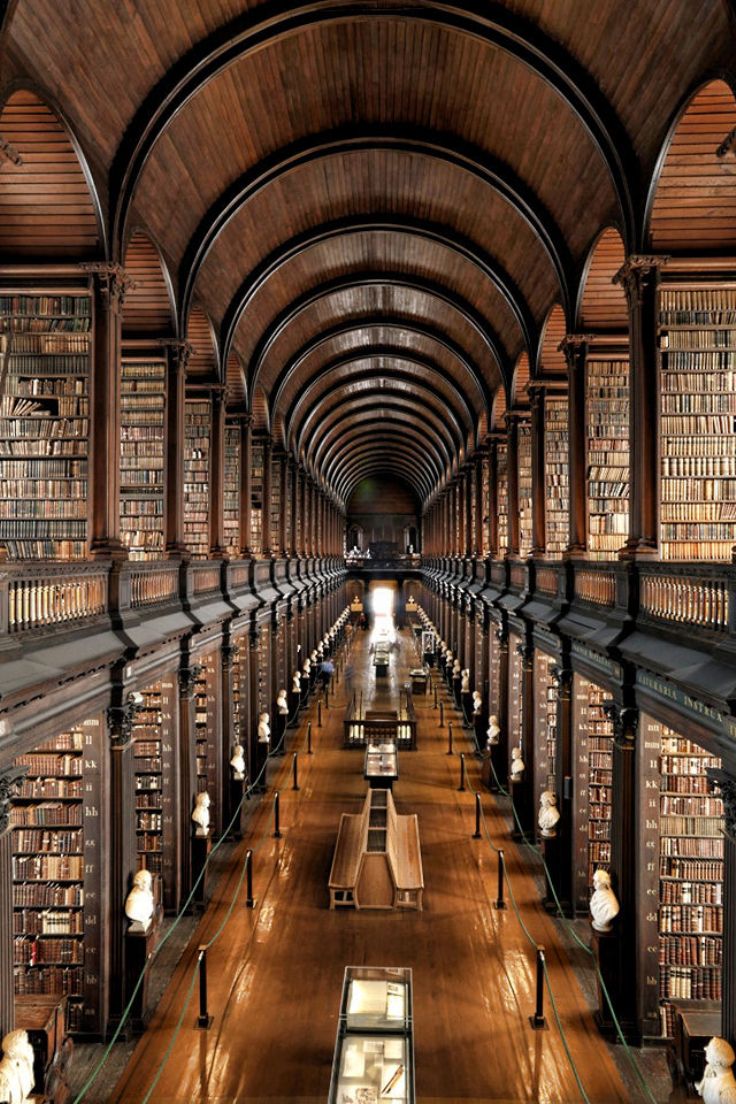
(205, 577)
(684, 599)
(546, 581)
(154, 583)
(517, 575)
(596, 587)
(56, 595)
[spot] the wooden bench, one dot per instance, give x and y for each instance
(346, 860)
(377, 861)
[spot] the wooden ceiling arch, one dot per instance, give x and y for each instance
(361, 472)
(520, 379)
(401, 460)
(602, 303)
(537, 52)
(374, 434)
(550, 358)
(149, 306)
(204, 361)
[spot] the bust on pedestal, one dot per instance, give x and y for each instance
(718, 1085)
(549, 814)
(237, 763)
(517, 765)
(140, 941)
(16, 1068)
(201, 844)
(604, 906)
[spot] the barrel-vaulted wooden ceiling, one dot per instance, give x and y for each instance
(363, 214)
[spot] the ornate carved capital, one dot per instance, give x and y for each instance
(726, 785)
(230, 652)
(10, 779)
(562, 679)
(625, 720)
(639, 275)
(254, 638)
(188, 677)
(112, 281)
(502, 634)
(574, 347)
(536, 399)
(181, 351)
(120, 720)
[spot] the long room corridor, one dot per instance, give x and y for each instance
(275, 975)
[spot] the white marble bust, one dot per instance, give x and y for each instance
(296, 683)
(16, 1067)
(548, 815)
(465, 681)
(493, 732)
(477, 703)
(307, 667)
(718, 1085)
(201, 813)
(139, 904)
(237, 763)
(264, 728)
(456, 669)
(517, 765)
(604, 906)
(282, 703)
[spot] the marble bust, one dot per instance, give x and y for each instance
(296, 683)
(477, 703)
(604, 906)
(237, 763)
(465, 683)
(201, 813)
(16, 1067)
(282, 703)
(548, 815)
(517, 765)
(493, 733)
(718, 1085)
(264, 728)
(139, 905)
(456, 669)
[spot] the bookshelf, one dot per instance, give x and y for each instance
(502, 496)
(593, 754)
(197, 435)
(516, 699)
(556, 476)
(545, 720)
(494, 669)
(44, 423)
(275, 506)
(155, 768)
(607, 430)
(231, 490)
(524, 460)
(207, 731)
(697, 357)
(484, 542)
(683, 825)
(142, 421)
(57, 878)
(256, 516)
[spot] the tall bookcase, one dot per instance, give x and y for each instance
(484, 539)
(57, 873)
(256, 515)
(44, 422)
(557, 476)
(607, 428)
(197, 436)
(683, 826)
(502, 496)
(275, 507)
(545, 721)
(231, 490)
(697, 341)
(154, 754)
(516, 699)
(142, 428)
(208, 731)
(524, 458)
(593, 736)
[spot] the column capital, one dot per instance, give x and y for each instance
(112, 281)
(181, 351)
(625, 720)
(120, 720)
(188, 677)
(10, 779)
(640, 272)
(726, 784)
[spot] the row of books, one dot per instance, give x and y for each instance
(557, 477)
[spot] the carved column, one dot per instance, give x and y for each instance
(246, 485)
(480, 459)
(217, 476)
(523, 792)
(177, 358)
(109, 286)
(122, 854)
(539, 525)
(187, 770)
(575, 348)
(512, 423)
(500, 751)
(10, 779)
(266, 507)
(283, 535)
(559, 853)
(640, 278)
(295, 508)
(493, 504)
(469, 501)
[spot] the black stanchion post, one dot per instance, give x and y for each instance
(249, 899)
(276, 817)
(537, 1020)
(435, 697)
(327, 697)
(319, 714)
(203, 1019)
(442, 714)
(499, 902)
(309, 737)
(295, 771)
(476, 833)
(450, 749)
(461, 787)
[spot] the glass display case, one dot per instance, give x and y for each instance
(381, 765)
(374, 1053)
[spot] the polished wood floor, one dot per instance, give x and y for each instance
(276, 972)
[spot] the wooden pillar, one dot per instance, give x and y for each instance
(187, 772)
(10, 779)
(559, 852)
(493, 504)
(122, 853)
(295, 507)
(284, 514)
(523, 792)
(468, 486)
(254, 703)
(109, 285)
(477, 500)
(640, 278)
(539, 526)
(217, 476)
(575, 348)
(512, 422)
(177, 358)
(500, 751)
(246, 484)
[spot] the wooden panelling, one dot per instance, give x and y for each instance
(498, 409)
(519, 396)
(695, 201)
(555, 328)
(235, 379)
(46, 209)
(203, 361)
(603, 303)
(148, 304)
(259, 410)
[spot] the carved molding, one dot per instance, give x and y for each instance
(188, 677)
(639, 275)
(121, 719)
(625, 721)
(112, 280)
(182, 350)
(10, 779)
(726, 784)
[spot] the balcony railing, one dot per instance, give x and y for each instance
(685, 596)
(596, 585)
(54, 594)
(153, 583)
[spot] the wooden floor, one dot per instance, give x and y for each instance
(275, 974)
